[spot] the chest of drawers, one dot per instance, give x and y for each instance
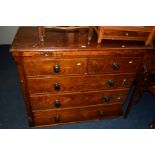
(63, 80)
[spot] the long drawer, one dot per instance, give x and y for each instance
(76, 114)
(65, 100)
(109, 64)
(49, 66)
(78, 83)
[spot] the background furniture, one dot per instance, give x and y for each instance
(144, 81)
(42, 30)
(64, 80)
(133, 33)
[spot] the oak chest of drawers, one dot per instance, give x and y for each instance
(66, 80)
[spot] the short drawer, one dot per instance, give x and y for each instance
(126, 35)
(47, 66)
(109, 64)
(65, 100)
(76, 114)
(79, 83)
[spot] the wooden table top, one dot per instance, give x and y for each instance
(27, 39)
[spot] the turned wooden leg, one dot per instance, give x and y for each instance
(100, 34)
(41, 33)
(90, 34)
(150, 37)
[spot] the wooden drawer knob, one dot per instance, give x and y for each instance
(115, 66)
(101, 113)
(57, 103)
(57, 119)
(111, 83)
(56, 68)
(57, 86)
(106, 99)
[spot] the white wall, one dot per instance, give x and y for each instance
(7, 34)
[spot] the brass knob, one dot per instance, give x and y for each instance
(57, 119)
(111, 83)
(115, 66)
(57, 86)
(57, 103)
(101, 113)
(56, 68)
(106, 99)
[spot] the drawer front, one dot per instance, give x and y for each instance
(79, 83)
(49, 66)
(50, 101)
(76, 114)
(109, 64)
(142, 35)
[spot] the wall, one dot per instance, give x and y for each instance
(7, 34)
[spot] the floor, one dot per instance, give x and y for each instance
(13, 114)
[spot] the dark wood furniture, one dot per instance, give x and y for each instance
(43, 29)
(134, 33)
(144, 81)
(64, 79)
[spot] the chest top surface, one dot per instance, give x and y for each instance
(27, 39)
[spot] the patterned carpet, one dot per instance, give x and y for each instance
(13, 114)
